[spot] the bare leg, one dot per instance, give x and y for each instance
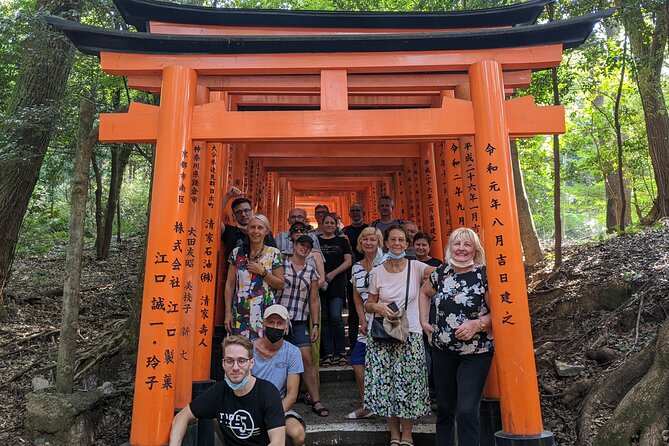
(295, 433)
(394, 428)
(310, 376)
(359, 372)
(407, 429)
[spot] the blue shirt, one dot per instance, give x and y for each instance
(286, 361)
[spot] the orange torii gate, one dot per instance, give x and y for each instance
(244, 91)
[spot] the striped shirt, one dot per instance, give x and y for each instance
(296, 292)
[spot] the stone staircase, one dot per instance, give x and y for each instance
(339, 393)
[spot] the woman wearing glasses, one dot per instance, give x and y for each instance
(255, 273)
(369, 242)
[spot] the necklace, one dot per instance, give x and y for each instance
(257, 255)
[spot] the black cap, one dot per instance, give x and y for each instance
(305, 239)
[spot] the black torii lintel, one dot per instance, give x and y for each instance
(140, 12)
(92, 40)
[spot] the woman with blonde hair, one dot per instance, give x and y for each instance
(255, 274)
(369, 242)
(461, 338)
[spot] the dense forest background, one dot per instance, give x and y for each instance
(588, 83)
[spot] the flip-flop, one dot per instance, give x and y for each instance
(354, 416)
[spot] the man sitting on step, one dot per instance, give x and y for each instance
(280, 362)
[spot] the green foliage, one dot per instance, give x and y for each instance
(587, 78)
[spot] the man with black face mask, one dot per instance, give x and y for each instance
(280, 362)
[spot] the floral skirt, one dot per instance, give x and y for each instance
(396, 378)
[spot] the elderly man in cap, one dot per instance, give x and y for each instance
(279, 362)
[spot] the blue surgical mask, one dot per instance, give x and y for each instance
(396, 256)
(239, 385)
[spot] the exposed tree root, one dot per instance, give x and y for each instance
(643, 411)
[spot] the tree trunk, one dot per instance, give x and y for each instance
(99, 213)
(120, 157)
(528, 232)
(69, 325)
(33, 109)
(648, 45)
(644, 410)
(557, 213)
(622, 211)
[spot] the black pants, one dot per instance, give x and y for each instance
(459, 383)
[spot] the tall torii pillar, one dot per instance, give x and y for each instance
(519, 398)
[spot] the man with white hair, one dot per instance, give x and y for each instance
(280, 362)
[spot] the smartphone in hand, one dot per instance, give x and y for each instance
(393, 307)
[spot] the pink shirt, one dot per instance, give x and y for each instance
(391, 287)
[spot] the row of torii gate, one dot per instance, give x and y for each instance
(300, 108)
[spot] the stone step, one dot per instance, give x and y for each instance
(341, 397)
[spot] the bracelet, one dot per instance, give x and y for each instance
(264, 274)
(481, 325)
(316, 325)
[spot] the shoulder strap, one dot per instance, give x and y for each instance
(441, 272)
(406, 295)
(374, 223)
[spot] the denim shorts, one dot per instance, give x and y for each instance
(358, 353)
(299, 334)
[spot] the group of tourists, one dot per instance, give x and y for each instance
(415, 325)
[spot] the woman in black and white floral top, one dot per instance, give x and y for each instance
(461, 336)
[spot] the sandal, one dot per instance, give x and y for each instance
(321, 411)
(341, 360)
(354, 415)
(394, 441)
(327, 361)
(406, 443)
(307, 398)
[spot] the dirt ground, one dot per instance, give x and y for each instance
(605, 303)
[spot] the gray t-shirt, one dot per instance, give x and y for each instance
(286, 361)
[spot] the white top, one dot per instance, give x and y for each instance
(391, 287)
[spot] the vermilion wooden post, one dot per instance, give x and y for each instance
(432, 224)
(519, 395)
(442, 190)
(162, 303)
(409, 190)
(454, 183)
(208, 278)
(189, 286)
(400, 194)
(418, 193)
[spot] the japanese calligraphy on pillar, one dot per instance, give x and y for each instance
(499, 209)
(431, 215)
(456, 194)
(470, 185)
(442, 188)
(418, 199)
(195, 177)
(409, 190)
(400, 195)
(229, 167)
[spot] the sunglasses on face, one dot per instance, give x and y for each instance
(299, 230)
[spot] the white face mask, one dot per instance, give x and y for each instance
(239, 385)
(457, 264)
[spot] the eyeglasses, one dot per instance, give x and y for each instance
(366, 282)
(241, 362)
(243, 211)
